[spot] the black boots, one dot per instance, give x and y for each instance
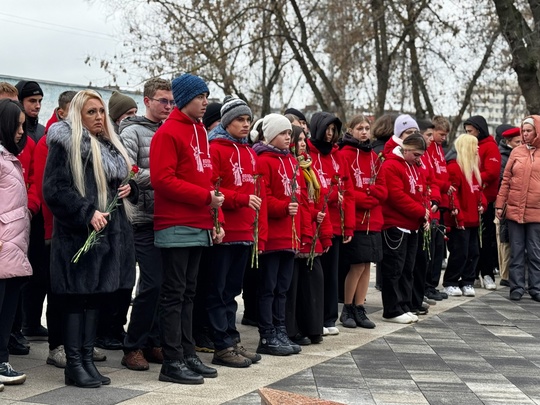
(79, 333)
(90, 328)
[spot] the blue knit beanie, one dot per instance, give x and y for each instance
(186, 87)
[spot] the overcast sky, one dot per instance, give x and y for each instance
(50, 40)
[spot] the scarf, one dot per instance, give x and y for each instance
(348, 139)
(312, 183)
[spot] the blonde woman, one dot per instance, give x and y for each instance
(467, 204)
(85, 169)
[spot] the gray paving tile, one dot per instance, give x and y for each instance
(73, 395)
(451, 398)
(350, 396)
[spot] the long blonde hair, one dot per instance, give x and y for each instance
(467, 157)
(76, 161)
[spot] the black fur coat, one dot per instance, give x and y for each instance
(110, 264)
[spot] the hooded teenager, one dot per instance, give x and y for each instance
(404, 211)
(333, 172)
(490, 168)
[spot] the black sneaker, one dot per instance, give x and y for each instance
(361, 318)
(433, 294)
(35, 333)
(8, 376)
(16, 348)
(301, 340)
(203, 343)
(20, 338)
(316, 339)
(347, 317)
(504, 283)
(248, 322)
(443, 294)
(281, 334)
(273, 346)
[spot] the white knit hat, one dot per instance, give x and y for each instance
(403, 123)
(274, 124)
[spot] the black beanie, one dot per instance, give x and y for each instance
(294, 111)
(212, 114)
(27, 89)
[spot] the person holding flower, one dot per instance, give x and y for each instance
(185, 203)
(334, 174)
(305, 297)
(289, 228)
(366, 246)
(234, 166)
(464, 217)
(85, 186)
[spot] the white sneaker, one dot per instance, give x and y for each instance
(403, 318)
(453, 291)
(325, 331)
(412, 316)
(489, 284)
(332, 330)
(57, 357)
(468, 290)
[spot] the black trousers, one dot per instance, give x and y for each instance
(304, 308)
(489, 258)
(55, 307)
(275, 279)
(330, 265)
(180, 268)
(34, 291)
(399, 255)
(421, 265)
(438, 249)
(143, 329)
(250, 295)
(226, 273)
(9, 298)
(463, 246)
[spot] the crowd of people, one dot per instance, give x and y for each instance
(210, 205)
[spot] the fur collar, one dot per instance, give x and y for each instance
(113, 162)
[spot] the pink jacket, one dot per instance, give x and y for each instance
(14, 218)
(519, 194)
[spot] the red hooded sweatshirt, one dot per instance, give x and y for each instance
(440, 178)
(331, 169)
(181, 174)
(277, 171)
(235, 165)
(26, 157)
(405, 205)
(369, 185)
(467, 198)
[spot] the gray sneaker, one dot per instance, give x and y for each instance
(57, 357)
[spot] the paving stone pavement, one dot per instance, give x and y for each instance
(483, 350)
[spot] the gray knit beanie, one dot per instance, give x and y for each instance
(233, 107)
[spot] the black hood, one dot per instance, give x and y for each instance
(480, 124)
(317, 128)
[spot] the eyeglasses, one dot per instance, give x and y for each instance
(164, 102)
